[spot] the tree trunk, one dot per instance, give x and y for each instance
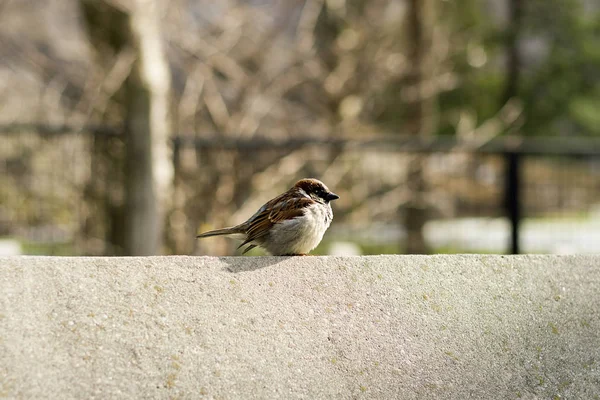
(513, 56)
(145, 98)
(149, 174)
(421, 120)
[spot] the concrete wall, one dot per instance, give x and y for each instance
(456, 327)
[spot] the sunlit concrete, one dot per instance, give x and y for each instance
(382, 327)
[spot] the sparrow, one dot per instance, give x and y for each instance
(292, 223)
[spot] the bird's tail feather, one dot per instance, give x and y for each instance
(224, 231)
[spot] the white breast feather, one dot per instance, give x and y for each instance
(301, 234)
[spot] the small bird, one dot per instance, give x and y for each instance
(292, 223)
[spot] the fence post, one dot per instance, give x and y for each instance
(176, 142)
(512, 191)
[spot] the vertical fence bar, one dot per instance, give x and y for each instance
(176, 143)
(513, 198)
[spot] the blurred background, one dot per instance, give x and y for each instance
(128, 126)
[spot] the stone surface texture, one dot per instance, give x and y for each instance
(377, 327)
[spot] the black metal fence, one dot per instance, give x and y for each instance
(60, 194)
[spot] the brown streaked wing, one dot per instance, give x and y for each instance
(275, 211)
(289, 209)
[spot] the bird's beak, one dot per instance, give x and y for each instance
(332, 196)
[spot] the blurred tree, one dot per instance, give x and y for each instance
(278, 70)
(561, 39)
(133, 33)
(513, 55)
(385, 62)
(422, 118)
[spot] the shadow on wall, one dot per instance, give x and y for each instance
(248, 263)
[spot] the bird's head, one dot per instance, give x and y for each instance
(316, 189)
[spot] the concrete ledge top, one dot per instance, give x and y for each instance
(379, 327)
